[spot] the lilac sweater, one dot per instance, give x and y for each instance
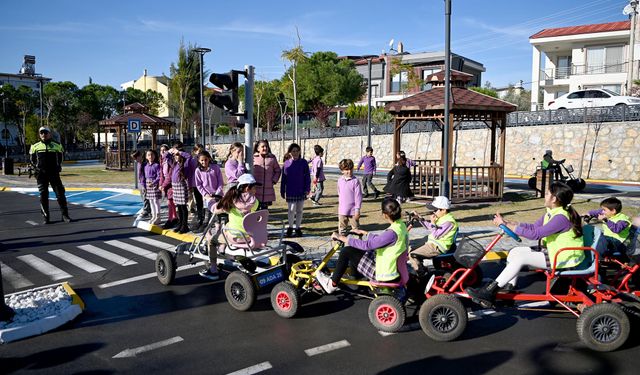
(437, 231)
(175, 171)
(349, 196)
(317, 168)
(538, 231)
(615, 227)
(233, 169)
(152, 173)
(209, 182)
(369, 164)
(374, 241)
(296, 179)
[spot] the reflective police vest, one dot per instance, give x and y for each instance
(387, 257)
(47, 157)
(557, 241)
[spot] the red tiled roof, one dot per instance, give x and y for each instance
(582, 29)
(461, 98)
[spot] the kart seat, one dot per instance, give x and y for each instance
(401, 263)
(255, 226)
(585, 268)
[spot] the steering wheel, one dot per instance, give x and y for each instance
(510, 233)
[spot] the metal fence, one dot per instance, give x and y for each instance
(575, 116)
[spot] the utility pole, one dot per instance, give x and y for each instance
(631, 9)
(201, 51)
(447, 94)
(369, 102)
(248, 122)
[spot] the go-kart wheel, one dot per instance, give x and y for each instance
(285, 299)
(532, 183)
(581, 184)
(240, 291)
(387, 314)
(165, 267)
(443, 317)
(603, 327)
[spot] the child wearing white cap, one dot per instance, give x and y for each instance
(443, 227)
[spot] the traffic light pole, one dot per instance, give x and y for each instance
(248, 127)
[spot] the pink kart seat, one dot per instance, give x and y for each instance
(255, 226)
(401, 263)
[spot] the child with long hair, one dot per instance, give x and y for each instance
(209, 182)
(267, 172)
(375, 257)
(166, 160)
(180, 188)
(560, 227)
(295, 186)
(317, 173)
(234, 166)
(194, 194)
(238, 201)
(151, 180)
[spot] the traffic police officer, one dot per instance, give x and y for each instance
(46, 158)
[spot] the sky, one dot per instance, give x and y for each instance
(114, 41)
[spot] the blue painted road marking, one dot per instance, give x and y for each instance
(112, 201)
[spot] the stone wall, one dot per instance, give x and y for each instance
(616, 155)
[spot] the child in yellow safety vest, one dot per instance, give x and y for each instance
(238, 201)
(616, 228)
(443, 229)
(560, 227)
(376, 257)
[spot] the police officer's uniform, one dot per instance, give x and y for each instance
(46, 157)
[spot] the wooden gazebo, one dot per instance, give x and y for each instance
(118, 157)
(466, 107)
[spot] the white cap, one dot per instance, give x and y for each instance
(44, 128)
(441, 202)
(246, 179)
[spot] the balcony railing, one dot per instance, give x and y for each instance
(620, 67)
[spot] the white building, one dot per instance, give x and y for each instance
(580, 57)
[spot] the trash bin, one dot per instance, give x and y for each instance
(7, 166)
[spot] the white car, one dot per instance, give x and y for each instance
(591, 98)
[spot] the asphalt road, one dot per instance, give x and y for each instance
(190, 328)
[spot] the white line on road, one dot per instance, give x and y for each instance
(47, 268)
(73, 195)
(107, 255)
(327, 348)
(16, 280)
(146, 276)
(132, 249)
(128, 353)
(76, 261)
(152, 242)
(104, 199)
(31, 222)
(253, 369)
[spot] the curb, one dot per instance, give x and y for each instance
(186, 237)
(47, 323)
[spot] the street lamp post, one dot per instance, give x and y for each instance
(631, 9)
(447, 94)
(6, 132)
(201, 51)
(369, 102)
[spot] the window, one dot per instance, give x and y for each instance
(426, 73)
(608, 59)
(612, 89)
(399, 82)
(595, 94)
(576, 95)
(563, 67)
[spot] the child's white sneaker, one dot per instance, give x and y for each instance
(325, 282)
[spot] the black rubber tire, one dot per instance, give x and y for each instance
(532, 183)
(387, 313)
(165, 267)
(285, 299)
(240, 291)
(603, 327)
(581, 184)
(443, 317)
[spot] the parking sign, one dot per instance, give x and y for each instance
(134, 125)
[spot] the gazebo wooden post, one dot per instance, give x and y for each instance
(119, 147)
(492, 156)
(450, 166)
(153, 138)
(503, 143)
(396, 139)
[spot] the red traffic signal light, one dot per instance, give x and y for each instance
(228, 98)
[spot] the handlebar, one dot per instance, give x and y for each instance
(510, 233)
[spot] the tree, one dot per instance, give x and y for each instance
(295, 56)
(98, 103)
(184, 89)
(153, 100)
(414, 80)
(521, 98)
(61, 108)
(485, 90)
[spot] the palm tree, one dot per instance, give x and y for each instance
(295, 55)
(184, 83)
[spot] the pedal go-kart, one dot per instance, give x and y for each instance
(602, 325)
(576, 184)
(618, 269)
(253, 264)
(387, 308)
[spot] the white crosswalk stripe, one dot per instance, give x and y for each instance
(76, 261)
(132, 249)
(155, 243)
(102, 253)
(45, 267)
(16, 280)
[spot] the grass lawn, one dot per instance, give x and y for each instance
(322, 220)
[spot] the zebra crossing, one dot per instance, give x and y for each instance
(32, 270)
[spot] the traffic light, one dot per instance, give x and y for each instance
(228, 98)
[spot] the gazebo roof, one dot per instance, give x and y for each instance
(136, 111)
(461, 98)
